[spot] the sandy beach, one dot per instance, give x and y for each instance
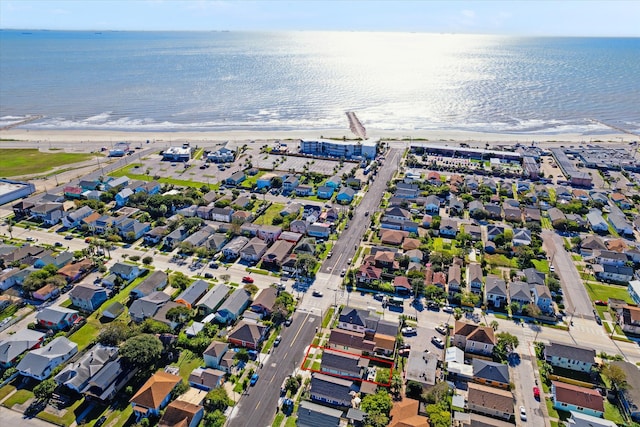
(9, 136)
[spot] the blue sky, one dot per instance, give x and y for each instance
(545, 18)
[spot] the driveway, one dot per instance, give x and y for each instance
(575, 294)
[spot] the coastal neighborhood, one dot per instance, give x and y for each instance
(338, 282)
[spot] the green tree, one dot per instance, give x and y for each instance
(439, 414)
(292, 384)
(494, 325)
(141, 351)
(505, 345)
(305, 264)
(179, 314)
(616, 376)
(217, 399)
(181, 388)
(45, 389)
(378, 407)
(436, 393)
(115, 333)
(179, 280)
(148, 260)
(214, 419)
(276, 182)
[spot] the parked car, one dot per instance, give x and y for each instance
(330, 254)
(447, 309)
(379, 296)
(405, 346)
(288, 322)
(276, 342)
(208, 276)
(599, 302)
(408, 330)
(598, 320)
(247, 279)
(437, 341)
(442, 329)
(57, 244)
(254, 379)
(317, 293)
(213, 265)
(523, 413)
(343, 272)
(68, 237)
(536, 393)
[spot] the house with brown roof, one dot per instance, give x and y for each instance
(490, 401)
(454, 280)
(404, 413)
(248, 334)
(440, 279)
(392, 237)
(265, 301)
(629, 318)
(410, 244)
(569, 397)
(617, 245)
(277, 254)
(474, 338)
(154, 395)
(384, 344)
(401, 285)
(181, 414)
(352, 341)
(75, 271)
(367, 273)
(386, 259)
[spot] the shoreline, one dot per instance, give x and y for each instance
(105, 136)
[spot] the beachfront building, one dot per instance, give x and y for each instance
(340, 148)
(177, 154)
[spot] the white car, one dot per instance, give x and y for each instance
(447, 309)
(408, 330)
(437, 341)
(523, 413)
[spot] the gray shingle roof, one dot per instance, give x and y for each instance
(572, 352)
(490, 371)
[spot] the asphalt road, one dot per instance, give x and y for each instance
(258, 404)
(575, 294)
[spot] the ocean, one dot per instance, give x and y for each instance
(180, 81)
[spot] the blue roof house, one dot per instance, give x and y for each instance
(325, 192)
(346, 195)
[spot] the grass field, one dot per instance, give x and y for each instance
(601, 291)
(18, 398)
(30, 161)
(268, 215)
(501, 260)
(541, 265)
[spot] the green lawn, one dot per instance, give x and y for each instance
(18, 398)
(327, 317)
(545, 222)
(67, 419)
(601, 291)
(612, 413)
(271, 212)
(501, 260)
(278, 419)
(187, 362)
(291, 421)
(439, 245)
(31, 161)
(86, 334)
(4, 391)
(127, 171)
(541, 265)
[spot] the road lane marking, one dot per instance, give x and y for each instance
(299, 330)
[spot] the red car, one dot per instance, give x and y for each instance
(247, 279)
(536, 393)
(600, 302)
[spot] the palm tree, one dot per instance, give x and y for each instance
(494, 325)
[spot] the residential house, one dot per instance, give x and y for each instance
(191, 295)
(454, 281)
(57, 318)
(556, 216)
(265, 301)
(214, 353)
(349, 340)
(432, 204)
(233, 306)
(474, 277)
(154, 395)
(232, 249)
(303, 190)
(331, 390)
(397, 213)
(334, 182)
(448, 227)
(439, 279)
(253, 251)
(615, 273)
(113, 310)
(162, 315)
(345, 195)
(122, 197)
(521, 237)
(156, 281)
(39, 363)
(355, 319)
(73, 219)
(474, 338)
(621, 224)
(597, 222)
(415, 256)
(57, 260)
(313, 415)
(325, 192)
(181, 413)
(8, 278)
(74, 271)
(534, 277)
(490, 401)
(368, 273)
(319, 230)
(87, 296)
(210, 302)
(583, 420)
(495, 291)
(494, 230)
(610, 257)
(426, 221)
(221, 214)
(621, 200)
(290, 183)
(79, 375)
(49, 213)
(277, 254)
(235, 179)
(520, 292)
(630, 395)
(343, 364)
(569, 397)
(46, 292)
(542, 298)
(392, 237)
(14, 345)
(147, 306)
(473, 230)
(491, 373)
(590, 244)
(357, 184)
(269, 233)
(126, 272)
(493, 211)
(401, 285)
(629, 318)
(532, 214)
(572, 357)
(307, 246)
(116, 182)
(155, 235)
(404, 413)
(292, 209)
(206, 378)
(298, 226)
(248, 334)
